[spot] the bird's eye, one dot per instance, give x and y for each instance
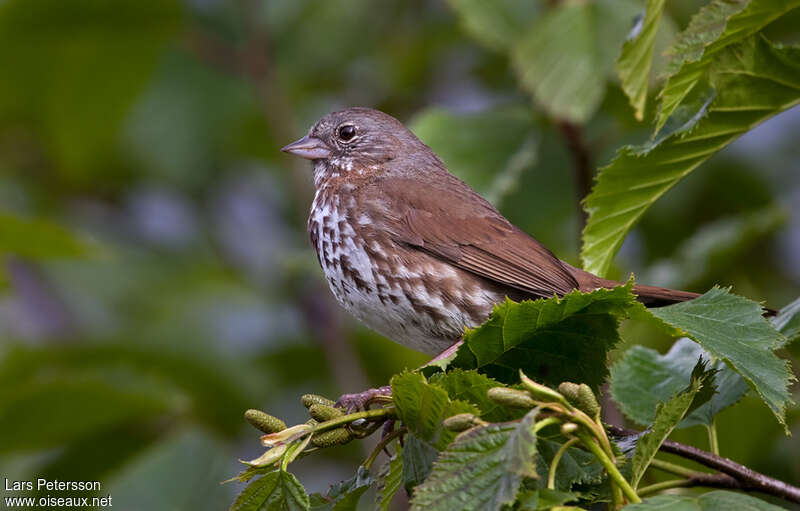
(347, 132)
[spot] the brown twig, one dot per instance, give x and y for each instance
(582, 162)
(744, 477)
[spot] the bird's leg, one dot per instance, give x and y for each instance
(362, 400)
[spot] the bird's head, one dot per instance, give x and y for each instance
(355, 141)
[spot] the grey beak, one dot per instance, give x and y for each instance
(308, 147)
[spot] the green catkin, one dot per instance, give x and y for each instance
(323, 413)
(581, 397)
(510, 397)
(264, 422)
(330, 438)
(461, 422)
(310, 400)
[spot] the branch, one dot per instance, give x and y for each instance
(698, 479)
(746, 478)
(582, 163)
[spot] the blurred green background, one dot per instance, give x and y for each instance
(156, 276)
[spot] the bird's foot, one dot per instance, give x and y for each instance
(363, 400)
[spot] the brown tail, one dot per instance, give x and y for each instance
(653, 296)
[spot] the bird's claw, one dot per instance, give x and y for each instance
(362, 400)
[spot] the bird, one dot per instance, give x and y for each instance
(411, 250)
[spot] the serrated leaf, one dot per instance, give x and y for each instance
(497, 24)
(543, 499)
(564, 60)
(489, 150)
(345, 495)
(715, 27)
(704, 28)
(278, 490)
(787, 321)
(481, 470)
(732, 329)
(521, 447)
(418, 458)
(642, 378)
(635, 61)
(389, 481)
(577, 467)
(752, 80)
(422, 407)
(552, 340)
(719, 500)
(472, 387)
(667, 417)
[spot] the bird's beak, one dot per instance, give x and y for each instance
(308, 147)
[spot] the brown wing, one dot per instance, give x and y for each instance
(453, 223)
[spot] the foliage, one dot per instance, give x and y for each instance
(667, 416)
(565, 35)
(717, 317)
(745, 84)
(558, 340)
(493, 464)
(510, 418)
(633, 64)
(710, 501)
(643, 378)
(155, 279)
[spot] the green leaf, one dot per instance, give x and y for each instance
(422, 407)
(715, 27)
(345, 495)
(552, 340)
(489, 150)
(496, 24)
(787, 321)
(642, 378)
(577, 467)
(633, 64)
(719, 500)
(568, 54)
(704, 28)
(37, 238)
(521, 447)
(472, 387)
(389, 481)
(542, 499)
(667, 417)
(482, 469)
(277, 490)
(418, 457)
(732, 329)
(73, 69)
(750, 82)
